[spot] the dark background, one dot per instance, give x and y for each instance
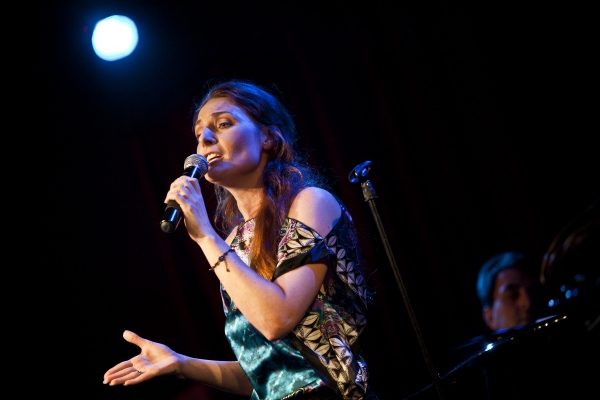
(478, 119)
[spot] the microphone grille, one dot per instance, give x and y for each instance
(196, 160)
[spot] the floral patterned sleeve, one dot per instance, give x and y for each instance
(327, 336)
(299, 245)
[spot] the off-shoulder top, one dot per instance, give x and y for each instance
(323, 350)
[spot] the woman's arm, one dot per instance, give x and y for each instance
(156, 359)
(224, 375)
(275, 308)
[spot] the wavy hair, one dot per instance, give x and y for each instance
(287, 171)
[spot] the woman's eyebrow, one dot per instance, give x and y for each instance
(214, 114)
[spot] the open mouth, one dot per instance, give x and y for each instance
(212, 156)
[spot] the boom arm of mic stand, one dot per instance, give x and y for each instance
(359, 174)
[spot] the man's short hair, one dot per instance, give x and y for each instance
(487, 273)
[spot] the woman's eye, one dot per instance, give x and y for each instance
(223, 125)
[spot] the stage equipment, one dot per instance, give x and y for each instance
(360, 174)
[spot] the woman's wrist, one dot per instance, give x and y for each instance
(180, 368)
(209, 240)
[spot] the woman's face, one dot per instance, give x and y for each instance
(232, 143)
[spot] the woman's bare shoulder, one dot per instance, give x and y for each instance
(316, 208)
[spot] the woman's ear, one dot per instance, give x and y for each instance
(267, 143)
(267, 140)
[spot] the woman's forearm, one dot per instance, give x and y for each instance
(223, 375)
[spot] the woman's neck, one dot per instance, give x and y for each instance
(248, 201)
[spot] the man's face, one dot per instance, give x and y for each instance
(513, 301)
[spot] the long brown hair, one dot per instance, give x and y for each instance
(287, 171)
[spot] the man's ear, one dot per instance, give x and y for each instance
(488, 317)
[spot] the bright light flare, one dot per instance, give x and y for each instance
(114, 37)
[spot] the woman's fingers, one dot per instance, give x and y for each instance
(124, 370)
(184, 187)
(119, 371)
(127, 376)
(119, 367)
(133, 338)
(135, 377)
(154, 359)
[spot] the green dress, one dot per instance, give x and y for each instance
(323, 350)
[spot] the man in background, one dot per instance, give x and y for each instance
(510, 293)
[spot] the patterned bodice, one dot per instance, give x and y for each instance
(323, 350)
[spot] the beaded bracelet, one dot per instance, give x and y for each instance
(222, 258)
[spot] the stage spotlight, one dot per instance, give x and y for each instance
(114, 37)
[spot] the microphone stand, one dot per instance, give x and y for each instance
(359, 174)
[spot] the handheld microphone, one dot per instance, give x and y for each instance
(194, 166)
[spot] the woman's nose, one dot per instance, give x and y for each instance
(207, 138)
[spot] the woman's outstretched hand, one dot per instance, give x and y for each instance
(155, 359)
